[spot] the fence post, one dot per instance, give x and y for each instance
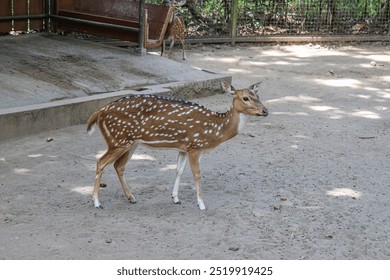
(233, 24)
(47, 12)
(141, 33)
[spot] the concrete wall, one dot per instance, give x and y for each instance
(32, 119)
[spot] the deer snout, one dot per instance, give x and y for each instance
(264, 112)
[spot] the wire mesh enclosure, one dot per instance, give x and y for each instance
(227, 18)
(285, 17)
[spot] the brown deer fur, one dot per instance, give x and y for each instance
(162, 122)
(175, 30)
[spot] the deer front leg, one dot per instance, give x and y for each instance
(195, 167)
(181, 163)
(119, 166)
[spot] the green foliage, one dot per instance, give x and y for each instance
(286, 16)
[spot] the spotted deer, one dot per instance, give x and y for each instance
(175, 29)
(163, 122)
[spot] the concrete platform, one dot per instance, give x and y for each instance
(49, 81)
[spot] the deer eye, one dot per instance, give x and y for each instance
(245, 98)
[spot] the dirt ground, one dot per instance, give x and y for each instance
(310, 181)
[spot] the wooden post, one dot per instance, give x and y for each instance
(48, 12)
(233, 21)
(141, 34)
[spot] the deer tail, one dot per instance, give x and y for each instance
(92, 121)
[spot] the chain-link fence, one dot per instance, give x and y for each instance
(253, 18)
(213, 18)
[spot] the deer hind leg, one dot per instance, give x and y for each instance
(163, 48)
(169, 54)
(119, 166)
(181, 163)
(109, 157)
(183, 47)
(194, 159)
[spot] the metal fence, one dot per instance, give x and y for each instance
(23, 15)
(226, 18)
(285, 17)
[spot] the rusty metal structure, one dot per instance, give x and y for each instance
(132, 21)
(23, 15)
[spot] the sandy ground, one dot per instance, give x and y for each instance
(310, 181)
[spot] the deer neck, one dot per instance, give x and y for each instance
(233, 122)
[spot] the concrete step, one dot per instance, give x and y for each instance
(51, 81)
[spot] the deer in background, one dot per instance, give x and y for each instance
(162, 122)
(175, 29)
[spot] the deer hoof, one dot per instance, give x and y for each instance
(201, 206)
(97, 204)
(176, 199)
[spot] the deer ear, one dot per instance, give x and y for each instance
(255, 87)
(227, 87)
(181, 3)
